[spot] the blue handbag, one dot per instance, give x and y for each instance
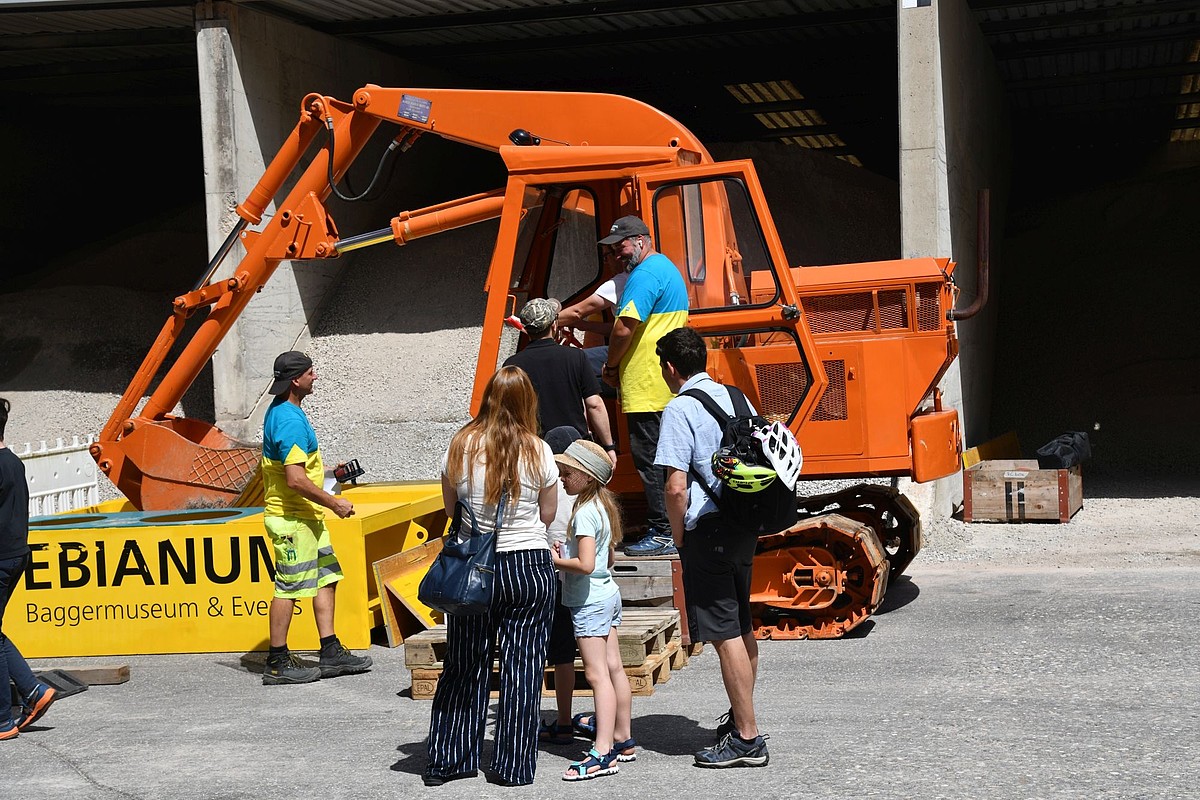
(461, 580)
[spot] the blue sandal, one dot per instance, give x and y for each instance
(594, 766)
(553, 733)
(585, 728)
(620, 749)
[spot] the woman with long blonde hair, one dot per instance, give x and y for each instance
(498, 454)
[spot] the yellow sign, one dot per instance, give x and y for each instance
(113, 582)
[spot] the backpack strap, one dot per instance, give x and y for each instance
(741, 407)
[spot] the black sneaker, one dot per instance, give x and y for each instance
(726, 725)
(288, 668)
(733, 752)
(337, 660)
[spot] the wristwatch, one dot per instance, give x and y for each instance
(607, 368)
(612, 448)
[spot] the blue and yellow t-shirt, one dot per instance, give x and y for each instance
(655, 295)
(289, 438)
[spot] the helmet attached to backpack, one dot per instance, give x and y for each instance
(782, 451)
(739, 475)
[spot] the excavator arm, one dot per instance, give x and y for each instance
(160, 461)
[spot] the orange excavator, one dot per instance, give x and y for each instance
(848, 356)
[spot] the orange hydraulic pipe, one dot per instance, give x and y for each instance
(289, 155)
(353, 130)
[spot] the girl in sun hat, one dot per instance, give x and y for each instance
(589, 591)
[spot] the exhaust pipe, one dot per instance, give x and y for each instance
(983, 248)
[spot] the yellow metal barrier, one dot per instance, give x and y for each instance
(109, 580)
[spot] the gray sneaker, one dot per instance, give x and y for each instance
(337, 660)
(733, 752)
(288, 668)
(653, 544)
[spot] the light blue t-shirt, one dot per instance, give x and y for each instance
(581, 590)
(688, 436)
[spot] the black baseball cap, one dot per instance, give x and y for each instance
(624, 228)
(288, 367)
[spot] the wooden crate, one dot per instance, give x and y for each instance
(644, 581)
(1016, 490)
(652, 581)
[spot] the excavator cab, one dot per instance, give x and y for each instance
(712, 222)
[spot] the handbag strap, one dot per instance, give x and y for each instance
(463, 505)
(500, 512)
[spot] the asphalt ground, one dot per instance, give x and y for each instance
(972, 683)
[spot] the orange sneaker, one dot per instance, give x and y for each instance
(9, 733)
(37, 705)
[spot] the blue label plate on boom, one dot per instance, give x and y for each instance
(414, 108)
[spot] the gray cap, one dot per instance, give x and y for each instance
(539, 314)
(624, 228)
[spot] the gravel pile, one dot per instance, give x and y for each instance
(395, 354)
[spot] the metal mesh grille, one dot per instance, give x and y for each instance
(893, 309)
(839, 313)
(833, 402)
(929, 311)
(780, 389)
(224, 469)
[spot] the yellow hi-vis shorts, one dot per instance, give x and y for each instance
(304, 558)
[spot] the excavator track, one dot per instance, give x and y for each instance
(829, 572)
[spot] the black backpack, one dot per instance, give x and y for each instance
(770, 510)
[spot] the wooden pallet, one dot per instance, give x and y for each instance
(655, 669)
(643, 633)
(649, 640)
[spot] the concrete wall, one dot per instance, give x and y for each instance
(254, 71)
(953, 143)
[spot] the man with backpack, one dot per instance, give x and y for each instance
(716, 541)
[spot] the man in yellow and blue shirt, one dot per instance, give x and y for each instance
(294, 516)
(653, 303)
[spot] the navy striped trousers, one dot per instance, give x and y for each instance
(519, 624)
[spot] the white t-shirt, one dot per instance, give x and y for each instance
(522, 527)
(557, 532)
(610, 290)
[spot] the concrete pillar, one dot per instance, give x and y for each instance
(254, 71)
(954, 141)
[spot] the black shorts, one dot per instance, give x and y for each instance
(717, 563)
(561, 649)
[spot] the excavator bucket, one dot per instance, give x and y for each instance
(181, 463)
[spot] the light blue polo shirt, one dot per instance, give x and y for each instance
(688, 438)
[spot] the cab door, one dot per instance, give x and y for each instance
(712, 221)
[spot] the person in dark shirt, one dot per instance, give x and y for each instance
(566, 387)
(35, 696)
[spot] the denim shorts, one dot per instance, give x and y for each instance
(597, 619)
